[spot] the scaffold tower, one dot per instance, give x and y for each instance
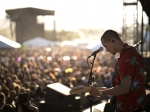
(130, 20)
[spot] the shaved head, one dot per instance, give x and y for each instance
(110, 34)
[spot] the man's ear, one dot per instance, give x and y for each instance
(112, 40)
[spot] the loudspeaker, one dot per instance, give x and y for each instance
(147, 69)
(58, 92)
(146, 107)
(147, 64)
(55, 107)
(58, 99)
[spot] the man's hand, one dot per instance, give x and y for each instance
(94, 91)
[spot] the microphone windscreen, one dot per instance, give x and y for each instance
(101, 49)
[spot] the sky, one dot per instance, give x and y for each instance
(74, 14)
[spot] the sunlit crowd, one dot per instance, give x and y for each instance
(31, 70)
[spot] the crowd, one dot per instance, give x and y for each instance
(24, 71)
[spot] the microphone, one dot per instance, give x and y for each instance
(95, 52)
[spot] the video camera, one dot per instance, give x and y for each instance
(23, 98)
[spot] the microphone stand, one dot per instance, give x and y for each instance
(91, 80)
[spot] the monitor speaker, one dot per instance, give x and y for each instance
(58, 92)
(58, 98)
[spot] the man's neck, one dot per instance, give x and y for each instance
(120, 46)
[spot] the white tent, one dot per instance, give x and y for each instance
(68, 43)
(79, 42)
(39, 42)
(83, 43)
(7, 43)
(91, 44)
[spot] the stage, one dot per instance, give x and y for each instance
(100, 107)
(96, 108)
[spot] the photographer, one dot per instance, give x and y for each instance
(7, 108)
(24, 104)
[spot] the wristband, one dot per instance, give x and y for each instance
(100, 92)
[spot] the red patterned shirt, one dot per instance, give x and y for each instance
(130, 66)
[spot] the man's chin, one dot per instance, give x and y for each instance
(113, 53)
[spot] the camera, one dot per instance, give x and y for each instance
(113, 100)
(23, 98)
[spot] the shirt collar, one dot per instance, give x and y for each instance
(125, 45)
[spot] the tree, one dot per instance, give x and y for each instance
(61, 35)
(6, 33)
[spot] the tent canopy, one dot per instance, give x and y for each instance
(7, 43)
(83, 43)
(39, 42)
